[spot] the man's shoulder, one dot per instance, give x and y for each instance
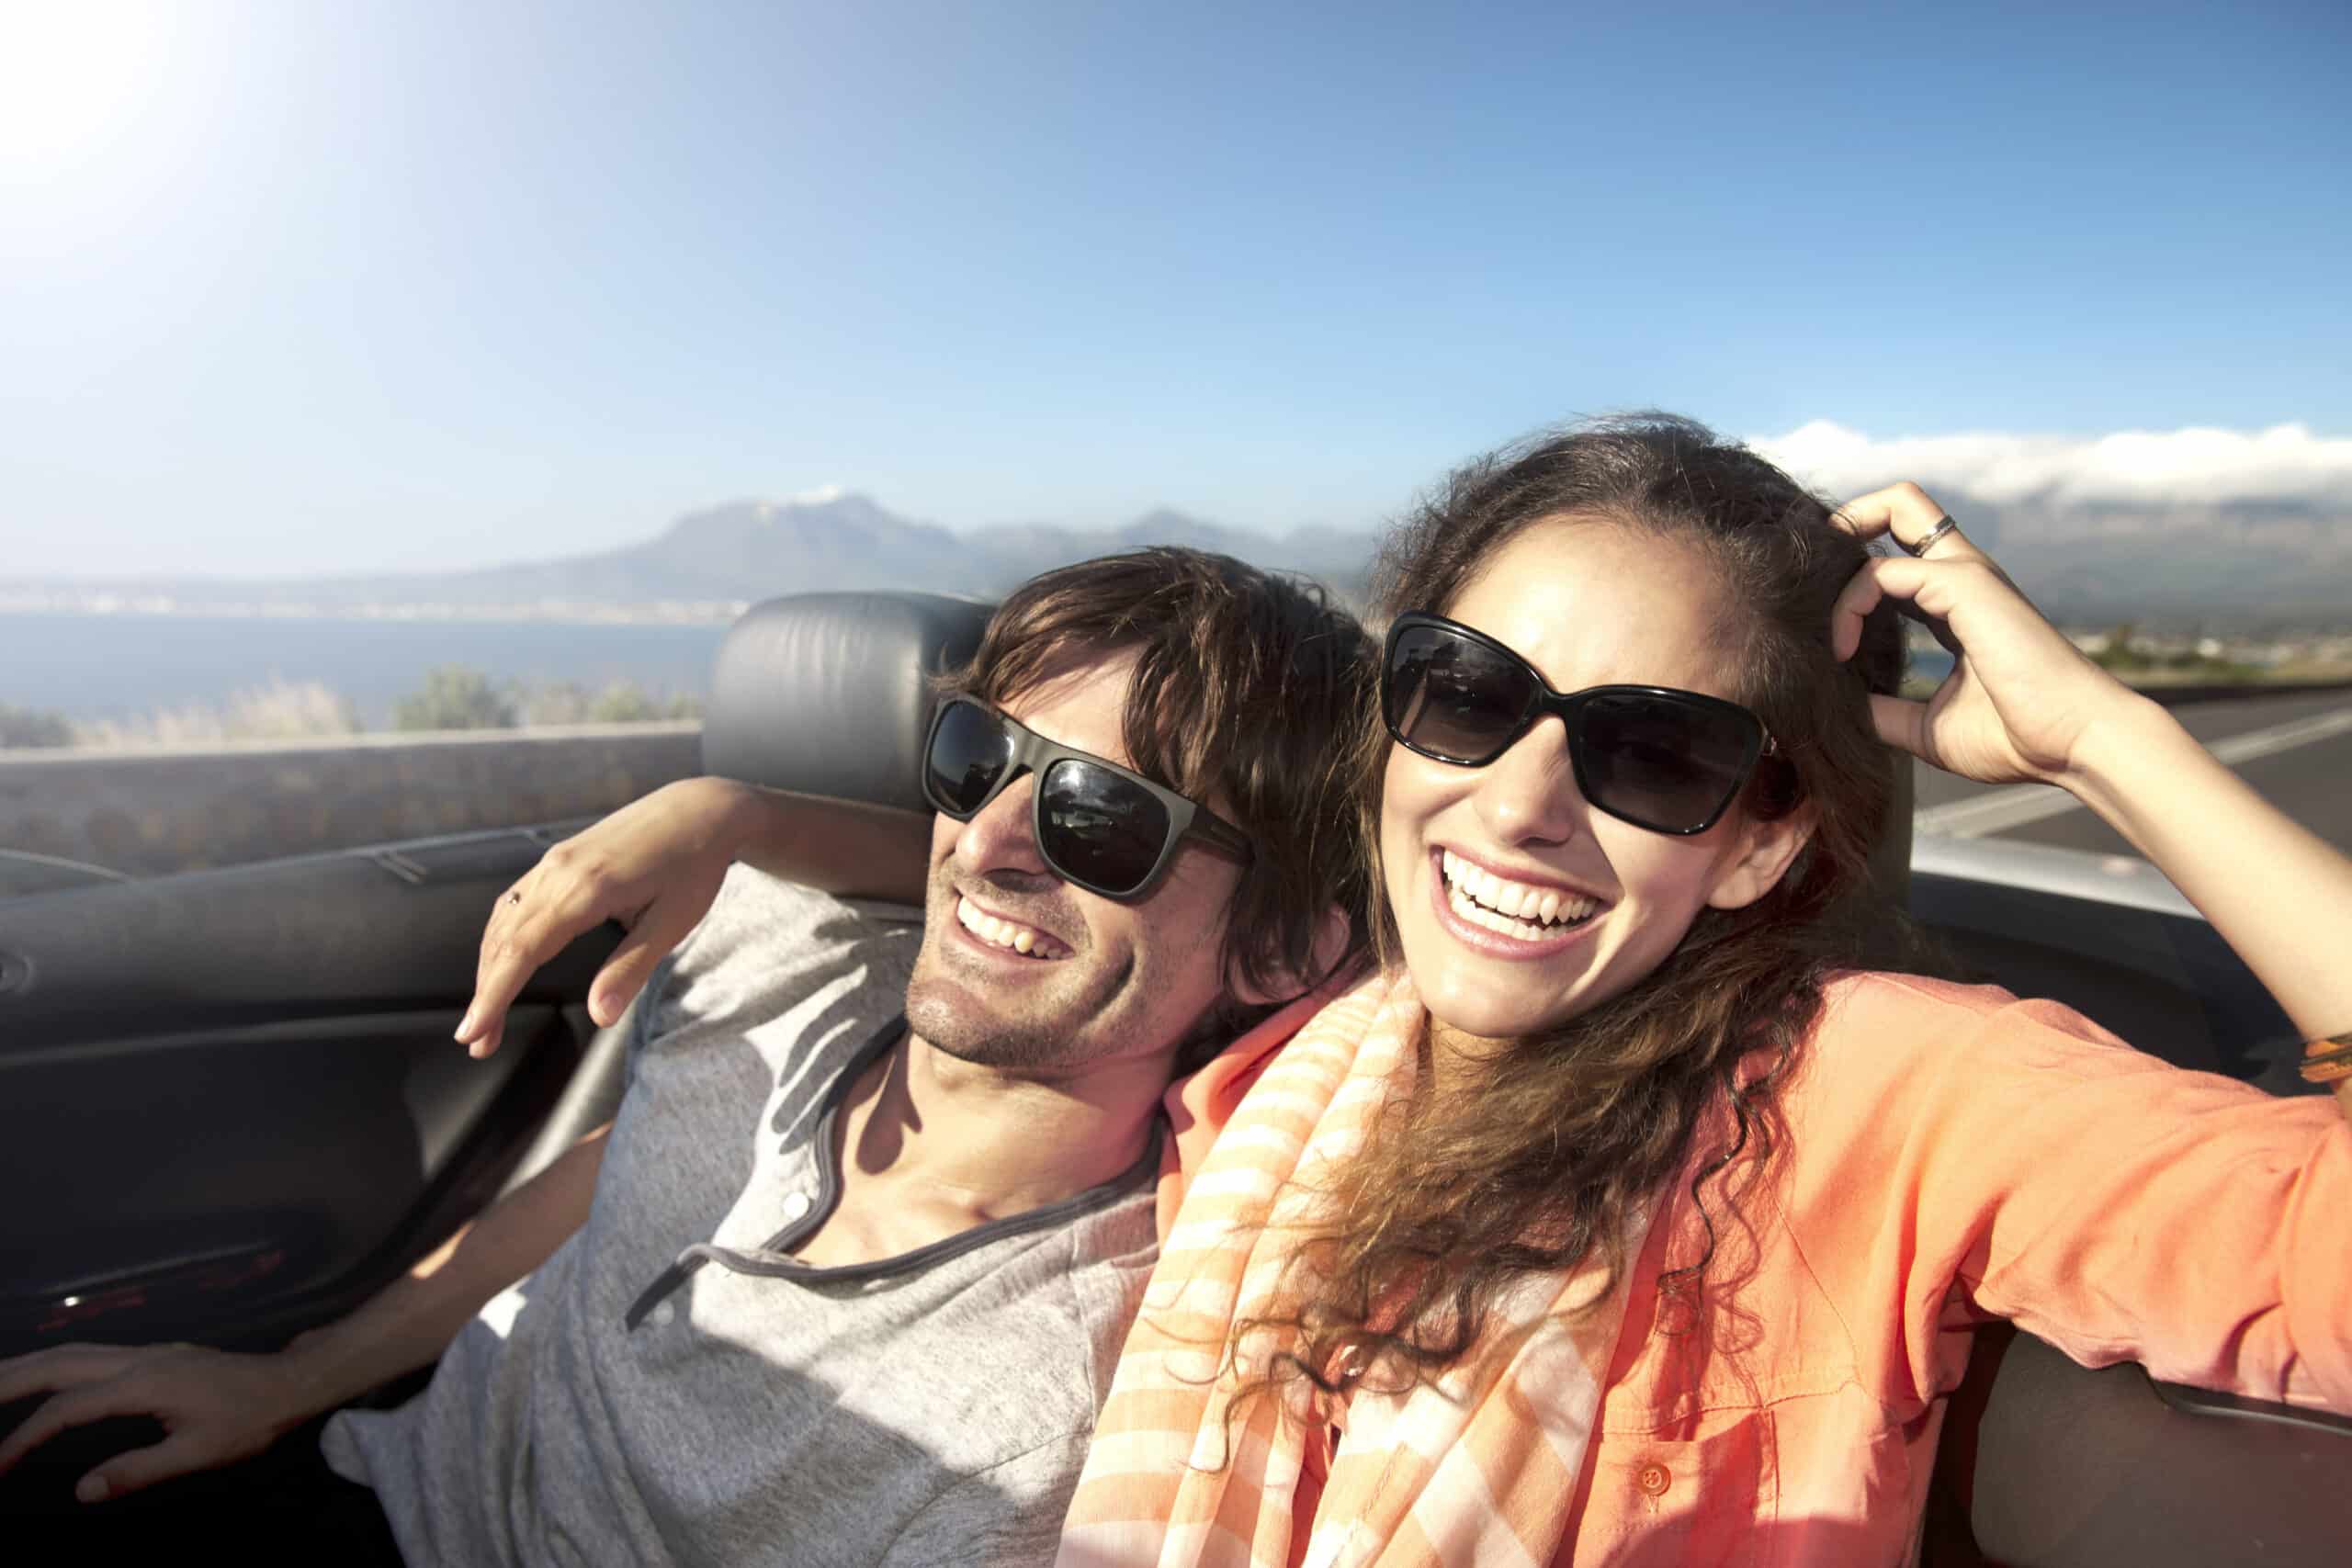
(778, 979)
(760, 917)
(766, 941)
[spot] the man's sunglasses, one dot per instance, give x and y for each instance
(1668, 760)
(1098, 825)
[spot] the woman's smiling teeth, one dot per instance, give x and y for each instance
(1005, 933)
(1509, 908)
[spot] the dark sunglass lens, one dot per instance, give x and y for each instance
(1664, 762)
(1099, 828)
(969, 752)
(1451, 697)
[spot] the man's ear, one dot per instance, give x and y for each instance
(1332, 935)
(1762, 858)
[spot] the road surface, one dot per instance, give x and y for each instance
(2296, 749)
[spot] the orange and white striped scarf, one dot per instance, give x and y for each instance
(1479, 1467)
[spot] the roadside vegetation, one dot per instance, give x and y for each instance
(2140, 660)
(451, 696)
(25, 726)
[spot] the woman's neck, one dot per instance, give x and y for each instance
(1455, 1062)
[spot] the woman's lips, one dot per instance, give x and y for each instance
(1494, 945)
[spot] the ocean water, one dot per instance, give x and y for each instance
(121, 666)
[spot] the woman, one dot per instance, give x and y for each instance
(1626, 1215)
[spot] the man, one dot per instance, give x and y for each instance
(836, 1286)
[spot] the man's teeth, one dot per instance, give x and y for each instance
(1509, 908)
(1005, 933)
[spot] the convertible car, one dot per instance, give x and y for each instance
(230, 1109)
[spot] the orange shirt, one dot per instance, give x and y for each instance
(1953, 1156)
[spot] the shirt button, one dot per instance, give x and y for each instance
(664, 1315)
(795, 1205)
(1654, 1479)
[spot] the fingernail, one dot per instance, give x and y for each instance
(465, 1027)
(91, 1489)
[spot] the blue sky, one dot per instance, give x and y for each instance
(297, 289)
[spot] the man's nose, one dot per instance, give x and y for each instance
(1529, 793)
(1001, 836)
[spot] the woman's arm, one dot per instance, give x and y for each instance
(655, 866)
(1962, 1155)
(2280, 893)
(2023, 705)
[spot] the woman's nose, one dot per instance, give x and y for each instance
(1529, 793)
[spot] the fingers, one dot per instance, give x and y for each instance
(533, 921)
(626, 972)
(1907, 514)
(140, 1468)
(59, 1367)
(659, 926)
(485, 1014)
(1855, 602)
(58, 1370)
(96, 1383)
(1938, 588)
(75, 1407)
(1903, 724)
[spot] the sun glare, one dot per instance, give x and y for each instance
(74, 76)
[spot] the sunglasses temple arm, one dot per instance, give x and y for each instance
(1223, 834)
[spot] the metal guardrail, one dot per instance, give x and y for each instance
(2177, 695)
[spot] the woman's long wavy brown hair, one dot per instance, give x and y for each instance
(1571, 1129)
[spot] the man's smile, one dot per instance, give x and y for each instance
(994, 931)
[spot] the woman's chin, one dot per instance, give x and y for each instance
(1466, 999)
(1494, 1023)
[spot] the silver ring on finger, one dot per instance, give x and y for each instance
(1927, 541)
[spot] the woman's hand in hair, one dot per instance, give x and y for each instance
(2020, 701)
(2022, 704)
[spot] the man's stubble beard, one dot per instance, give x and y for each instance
(958, 1014)
(951, 1006)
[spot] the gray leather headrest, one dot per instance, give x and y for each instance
(826, 693)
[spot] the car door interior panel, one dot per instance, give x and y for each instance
(234, 1096)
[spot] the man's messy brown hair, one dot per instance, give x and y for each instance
(1247, 692)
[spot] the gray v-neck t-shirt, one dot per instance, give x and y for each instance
(671, 1387)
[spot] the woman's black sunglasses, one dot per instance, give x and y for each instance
(1098, 825)
(1668, 760)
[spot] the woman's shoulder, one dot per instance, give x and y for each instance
(1882, 1035)
(1869, 1002)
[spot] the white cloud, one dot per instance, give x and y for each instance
(2199, 467)
(819, 496)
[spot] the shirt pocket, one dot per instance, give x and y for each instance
(1705, 1499)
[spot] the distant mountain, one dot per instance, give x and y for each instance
(2245, 565)
(2241, 565)
(753, 549)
